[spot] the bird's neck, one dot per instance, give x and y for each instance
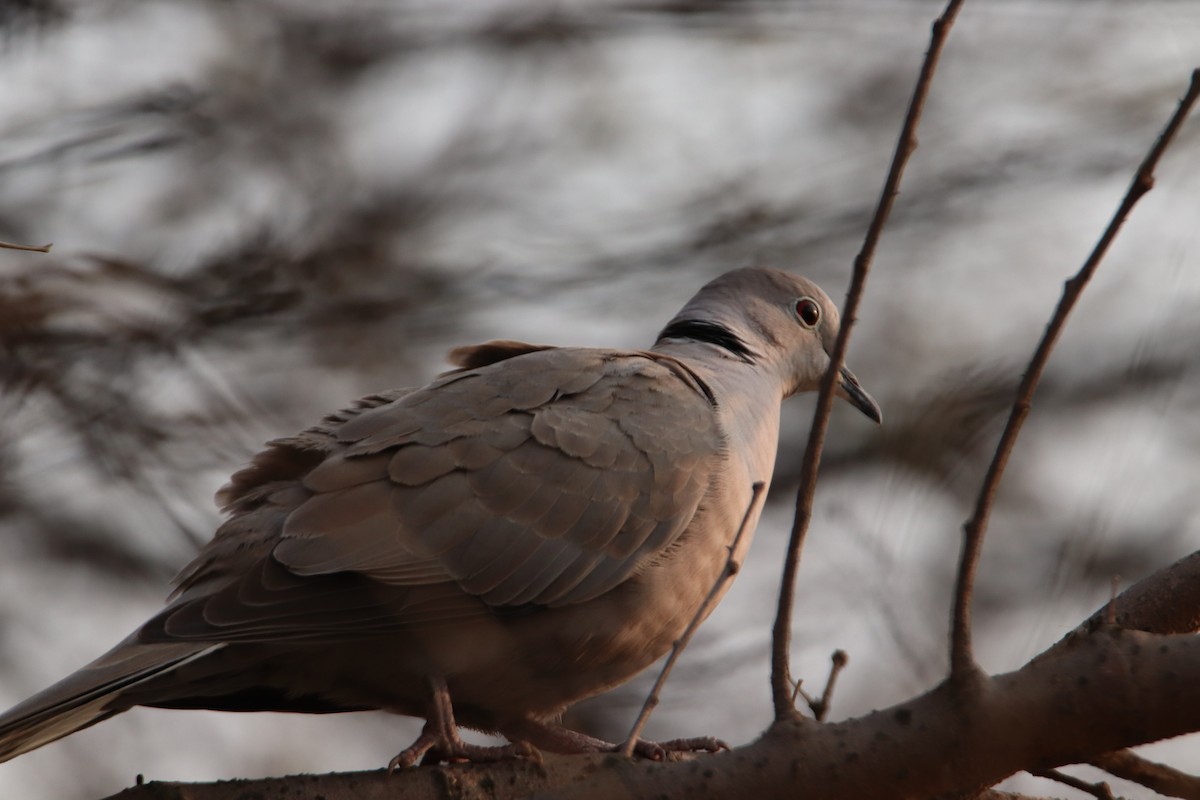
(748, 397)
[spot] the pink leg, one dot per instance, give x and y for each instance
(440, 737)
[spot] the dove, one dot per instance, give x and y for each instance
(530, 529)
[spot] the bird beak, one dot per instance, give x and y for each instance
(850, 390)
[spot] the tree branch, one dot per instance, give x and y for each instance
(962, 658)
(1166, 602)
(781, 680)
(1098, 790)
(1151, 774)
(1137, 689)
(31, 248)
(820, 705)
(1098, 690)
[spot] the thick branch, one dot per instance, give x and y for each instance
(781, 680)
(1166, 602)
(1089, 694)
(1098, 690)
(962, 658)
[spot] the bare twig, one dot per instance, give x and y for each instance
(798, 691)
(1097, 790)
(1159, 777)
(732, 565)
(32, 248)
(820, 706)
(781, 681)
(962, 658)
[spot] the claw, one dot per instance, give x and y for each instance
(558, 739)
(696, 744)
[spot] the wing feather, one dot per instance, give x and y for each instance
(533, 475)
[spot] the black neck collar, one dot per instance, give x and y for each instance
(710, 332)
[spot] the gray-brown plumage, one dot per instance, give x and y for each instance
(528, 530)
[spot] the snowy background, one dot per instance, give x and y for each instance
(262, 211)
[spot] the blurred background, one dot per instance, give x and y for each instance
(263, 211)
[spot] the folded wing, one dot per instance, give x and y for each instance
(533, 475)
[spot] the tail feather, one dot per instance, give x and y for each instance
(89, 695)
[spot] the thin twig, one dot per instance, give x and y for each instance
(732, 565)
(1158, 777)
(798, 691)
(1098, 790)
(781, 680)
(820, 706)
(962, 658)
(32, 248)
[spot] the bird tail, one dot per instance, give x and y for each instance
(90, 695)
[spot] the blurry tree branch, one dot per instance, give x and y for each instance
(41, 248)
(1098, 790)
(1158, 777)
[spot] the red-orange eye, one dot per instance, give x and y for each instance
(808, 312)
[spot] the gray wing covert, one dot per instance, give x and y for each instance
(262, 495)
(548, 478)
(537, 475)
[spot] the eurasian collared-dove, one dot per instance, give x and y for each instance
(530, 529)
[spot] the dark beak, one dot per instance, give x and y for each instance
(849, 389)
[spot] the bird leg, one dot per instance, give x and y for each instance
(558, 739)
(440, 741)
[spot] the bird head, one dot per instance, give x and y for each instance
(776, 321)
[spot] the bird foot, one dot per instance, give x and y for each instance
(434, 747)
(557, 739)
(673, 748)
(439, 740)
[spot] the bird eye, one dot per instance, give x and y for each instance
(808, 312)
